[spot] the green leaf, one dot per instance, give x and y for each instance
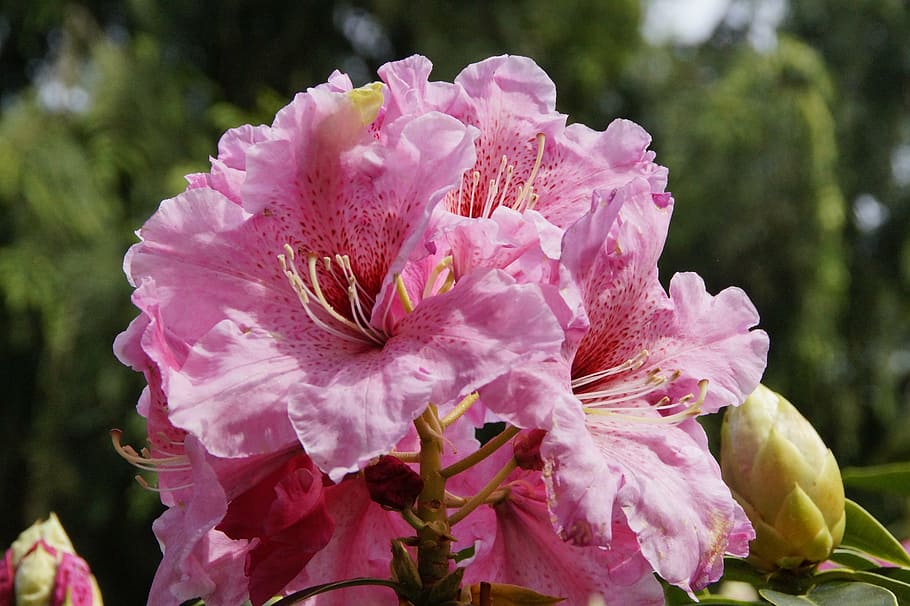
(852, 559)
(865, 533)
(893, 478)
(899, 587)
(834, 594)
(464, 554)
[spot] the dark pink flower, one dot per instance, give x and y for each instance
(286, 518)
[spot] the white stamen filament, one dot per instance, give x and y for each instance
(494, 187)
(608, 397)
(145, 461)
(498, 187)
(633, 363)
(363, 331)
(144, 483)
(526, 191)
(688, 412)
(475, 181)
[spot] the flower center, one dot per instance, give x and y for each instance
(499, 189)
(356, 325)
(607, 393)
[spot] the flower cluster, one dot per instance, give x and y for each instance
(330, 313)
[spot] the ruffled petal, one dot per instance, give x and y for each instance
(656, 481)
(450, 345)
(360, 547)
(526, 551)
(198, 561)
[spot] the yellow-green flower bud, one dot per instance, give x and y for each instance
(786, 480)
(41, 568)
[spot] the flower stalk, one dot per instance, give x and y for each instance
(434, 539)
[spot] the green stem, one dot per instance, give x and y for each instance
(481, 453)
(434, 540)
(478, 499)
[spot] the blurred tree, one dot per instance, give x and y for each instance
(866, 43)
(749, 139)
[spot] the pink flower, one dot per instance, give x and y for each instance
(286, 515)
(199, 561)
(273, 272)
(521, 548)
(629, 452)
(527, 158)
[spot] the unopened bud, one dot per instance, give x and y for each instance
(786, 480)
(392, 483)
(41, 568)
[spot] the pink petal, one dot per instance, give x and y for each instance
(410, 91)
(527, 551)
(656, 481)
(188, 543)
(229, 168)
(450, 345)
(360, 547)
(711, 339)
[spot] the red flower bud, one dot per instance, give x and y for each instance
(392, 483)
(526, 447)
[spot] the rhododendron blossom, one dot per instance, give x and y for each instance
(330, 314)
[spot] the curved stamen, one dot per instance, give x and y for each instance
(607, 397)
(526, 191)
(430, 287)
(692, 410)
(633, 363)
(363, 331)
(145, 460)
(144, 483)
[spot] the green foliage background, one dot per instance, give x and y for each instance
(773, 153)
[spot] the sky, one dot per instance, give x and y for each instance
(690, 22)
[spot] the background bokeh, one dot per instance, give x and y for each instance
(786, 128)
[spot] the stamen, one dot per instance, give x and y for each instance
(688, 412)
(633, 363)
(525, 191)
(624, 394)
(360, 325)
(475, 181)
(144, 460)
(444, 265)
(144, 483)
(494, 189)
(459, 410)
(499, 188)
(403, 294)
